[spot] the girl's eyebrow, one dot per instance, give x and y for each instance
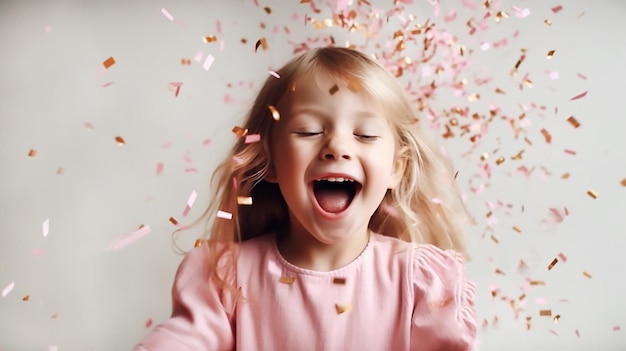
(318, 113)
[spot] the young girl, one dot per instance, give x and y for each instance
(346, 228)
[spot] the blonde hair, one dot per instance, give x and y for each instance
(425, 207)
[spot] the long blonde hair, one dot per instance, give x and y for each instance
(425, 207)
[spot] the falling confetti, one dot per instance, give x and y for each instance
(239, 132)
(592, 194)
(26, 298)
(149, 323)
(120, 140)
(572, 120)
(167, 14)
(208, 62)
(550, 54)
(556, 9)
(224, 214)
(274, 74)
(190, 202)
(552, 264)
(109, 62)
(244, 200)
(46, 227)
(287, 280)
(333, 89)
(173, 221)
(342, 308)
(587, 274)
(545, 313)
(579, 96)
(252, 138)
(128, 238)
(623, 182)
(209, 39)
(262, 43)
(8, 289)
(32, 153)
(275, 113)
(159, 168)
(339, 281)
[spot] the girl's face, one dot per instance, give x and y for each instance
(333, 158)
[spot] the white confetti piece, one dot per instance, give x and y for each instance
(128, 238)
(192, 198)
(198, 56)
(208, 62)
(167, 14)
(274, 74)
(8, 289)
(46, 227)
(224, 214)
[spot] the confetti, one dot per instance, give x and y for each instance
(60, 170)
(208, 62)
(572, 120)
(262, 43)
(546, 135)
(239, 131)
(571, 152)
(185, 61)
(517, 229)
(120, 140)
(617, 328)
(274, 74)
(167, 14)
(562, 257)
(579, 96)
(177, 86)
(556, 9)
(556, 318)
(287, 280)
(342, 308)
(587, 274)
(275, 113)
(499, 161)
(128, 238)
(55, 316)
(548, 22)
(89, 126)
(550, 54)
(244, 200)
(545, 313)
(552, 264)
(109, 62)
(32, 153)
(252, 138)
(46, 227)
(8, 289)
(224, 214)
(159, 168)
(209, 39)
(267, 10)
(198, 243)
(149, 323)
(623, 182)
(339, 281)
(592, 194)
(26, 298)
(173, 221)
(190, 201)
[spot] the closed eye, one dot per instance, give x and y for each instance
(307, 134)
(367, 137)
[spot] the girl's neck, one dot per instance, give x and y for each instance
(306, 252)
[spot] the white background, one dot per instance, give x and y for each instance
(55, 98)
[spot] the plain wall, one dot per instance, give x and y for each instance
(68, 291)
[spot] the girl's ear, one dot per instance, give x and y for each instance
(397, 172)
(270, 176)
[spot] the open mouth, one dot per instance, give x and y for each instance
(335, 195)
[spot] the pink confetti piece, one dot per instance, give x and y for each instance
(577, 333)
(8, 289)
(166, 145)
(451, 16)
(190, 170)
(562, 257)
(106, 84)
(252, 138)
(540, 301)
(556, 9)
(228, 99)
(47, 29)
(484, 46)
(581, 76)
(521, 13)
(554, 332)
(617, 328)
(198, 56)
(238, 159)
(149, 323)
(274, 74)
(46, 227)
(570, 152)
(554, 75)
(37, 252)
(167, 14)
(206, 142)
(208, 62)
(256, 2)
(128, 238)
(159, 168)
(436, 200)
(579, 96)
(177, 86)
(224, 214)
(190, 201)
(469, 4)
(558, 217)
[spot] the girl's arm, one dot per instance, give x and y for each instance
(443, 317)
(199, 319)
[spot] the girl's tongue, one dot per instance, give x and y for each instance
(334, 197)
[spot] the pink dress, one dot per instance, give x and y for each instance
(394, 296)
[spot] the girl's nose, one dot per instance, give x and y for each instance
(336, 148)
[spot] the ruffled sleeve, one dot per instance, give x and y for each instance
(443, 316)
(200, 317)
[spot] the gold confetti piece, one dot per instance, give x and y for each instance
(275, 113)
(54, 316)
(592, 194)
(60, 170)
(185, 61)
(262, 43)
(623, 182)
(198, 243)
(340, 281)
(89, 126)
(546, 135)
(499, 271)
(550, 54)
(565, 175)
(587, 274)
(500, 91)
(528, 82)
(354, 85)
(484, 156)
(556, 318)
(572, 120)
(537, 282)
(499, 160)
(287, 280)
(120, 140)
(173, 221)
(523, 296)
(26, 298)
(244, 200)
(209, 38)
(267, 10)
(244, 40)
(239, 131)
(333, 89)
(109, 62)
(342, 308)
(545, 313)
(473, 97)
(517, 229)
(548, 22)
(495, 240)
(551, 265)
(32, 153)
